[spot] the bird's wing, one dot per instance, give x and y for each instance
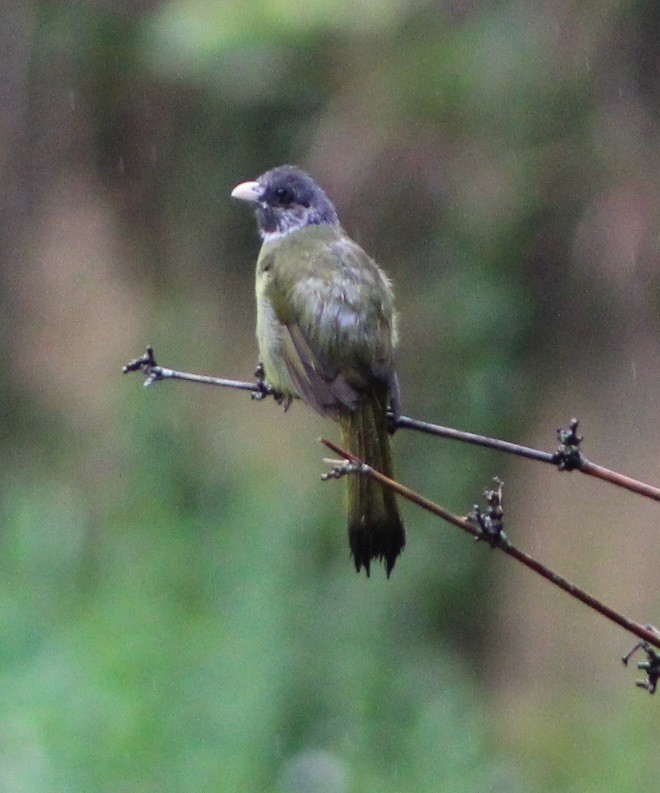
(339, 319)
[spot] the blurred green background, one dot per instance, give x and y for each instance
(178, 609)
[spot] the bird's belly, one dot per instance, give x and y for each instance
(270, 338)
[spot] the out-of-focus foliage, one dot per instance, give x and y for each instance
(178, 610)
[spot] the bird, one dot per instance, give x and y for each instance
(326, 333)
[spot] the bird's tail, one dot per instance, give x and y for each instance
(375, 529)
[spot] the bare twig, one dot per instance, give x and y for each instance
(568, 456)
(148, 366)
(405, 423)
(467, 524)
(483, 526)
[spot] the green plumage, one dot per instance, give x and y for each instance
(318, 280)
(326, 328)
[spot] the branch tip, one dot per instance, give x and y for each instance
(147, 365)
(144, 362)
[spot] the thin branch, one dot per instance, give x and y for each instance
(148, 366)
(405, 423)
(621, 480)
(646, 634)
(568, 456)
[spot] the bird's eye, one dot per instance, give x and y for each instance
(283, 195)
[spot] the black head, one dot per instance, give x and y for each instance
(287, 199)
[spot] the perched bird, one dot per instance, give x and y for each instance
(326, 329)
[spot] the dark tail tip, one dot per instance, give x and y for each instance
(382, 542)
(359, 564)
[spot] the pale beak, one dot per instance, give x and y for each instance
(248, 191)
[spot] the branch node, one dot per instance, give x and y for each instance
(651, 666)
(342, 468)
(568, 456)
(491, 522)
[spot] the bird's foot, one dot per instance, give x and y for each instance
(264, 390)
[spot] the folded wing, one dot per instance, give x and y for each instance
(339, 325)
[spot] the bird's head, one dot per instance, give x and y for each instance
(286, 199)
